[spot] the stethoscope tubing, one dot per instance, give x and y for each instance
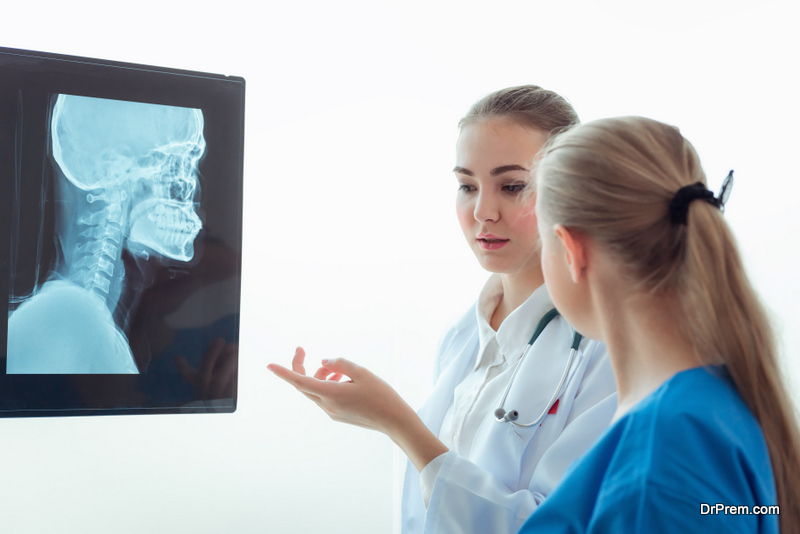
(511, 416)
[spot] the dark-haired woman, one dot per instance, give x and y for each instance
(467, 471)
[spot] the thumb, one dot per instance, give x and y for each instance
(341, 365)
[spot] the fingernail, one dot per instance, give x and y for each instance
(324, 362)
(269, 367)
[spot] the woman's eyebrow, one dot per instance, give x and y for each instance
(506, 168)
(494, 172)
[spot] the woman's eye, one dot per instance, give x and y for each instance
(514, 188)
(466, 188)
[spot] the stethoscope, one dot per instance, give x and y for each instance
(511, 416)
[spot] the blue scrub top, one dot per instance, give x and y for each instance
(688, 446)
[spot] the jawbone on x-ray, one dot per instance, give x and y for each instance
(126, 179)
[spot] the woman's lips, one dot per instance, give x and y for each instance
(490, 242)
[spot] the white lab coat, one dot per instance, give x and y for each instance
(510, 470)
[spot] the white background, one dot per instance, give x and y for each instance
(351, 242)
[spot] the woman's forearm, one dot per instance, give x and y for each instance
(415, 439)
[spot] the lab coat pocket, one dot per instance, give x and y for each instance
(499, 447)
(502, 446)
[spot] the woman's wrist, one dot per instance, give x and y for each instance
(415, 439)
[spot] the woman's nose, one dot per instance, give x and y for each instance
(486, 208)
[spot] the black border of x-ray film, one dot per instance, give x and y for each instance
(29, 81)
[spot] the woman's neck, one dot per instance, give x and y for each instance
(645, 343)
(517, 287)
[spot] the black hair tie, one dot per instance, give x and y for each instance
(679, 207)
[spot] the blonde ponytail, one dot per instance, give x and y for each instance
(730, 323)
(613, 180)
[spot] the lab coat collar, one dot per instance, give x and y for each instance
(515, 332)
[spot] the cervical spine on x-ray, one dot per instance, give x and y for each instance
(137, 164)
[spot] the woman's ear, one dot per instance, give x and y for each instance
(575, 251)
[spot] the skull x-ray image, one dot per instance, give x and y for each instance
(126, 179)
(121, 195)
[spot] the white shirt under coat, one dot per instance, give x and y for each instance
(496, 474)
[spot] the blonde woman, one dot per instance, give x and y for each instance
(467, 471)
(704, 421)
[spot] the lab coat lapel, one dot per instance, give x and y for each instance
(465, 347)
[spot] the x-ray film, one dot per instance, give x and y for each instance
(121, 237)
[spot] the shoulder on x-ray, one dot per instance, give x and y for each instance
(126, 193)
(63, 329)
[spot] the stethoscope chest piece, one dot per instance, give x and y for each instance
(501, 415)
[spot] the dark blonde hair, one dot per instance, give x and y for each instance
(527, 105)
(613, 180)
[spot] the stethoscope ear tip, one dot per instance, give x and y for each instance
(500, 414)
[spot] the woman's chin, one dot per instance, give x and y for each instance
(501, 266)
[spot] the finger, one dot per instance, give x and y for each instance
(297, 361)
(229, 354)
(336, 377)
(303, 383)
(207, 364)
(322, 373)
(343, 366)
(231, 349)
(186, 371)
(288, 376)
(224, 383)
